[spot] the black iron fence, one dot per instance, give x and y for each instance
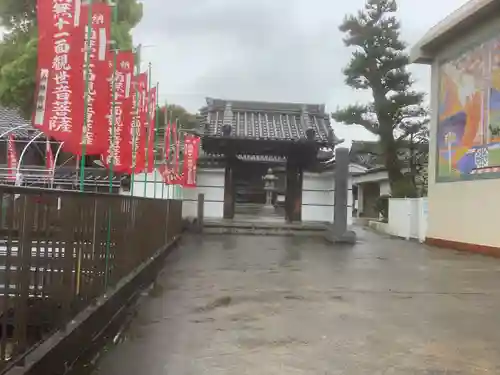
(60, 250)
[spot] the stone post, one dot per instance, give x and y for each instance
(229, 191)
(339, 232)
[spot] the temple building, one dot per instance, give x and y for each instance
(463, 52)
(243, 141)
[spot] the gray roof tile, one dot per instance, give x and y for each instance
(267, 121)
(10, 119)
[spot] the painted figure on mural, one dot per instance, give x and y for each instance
(469, 114)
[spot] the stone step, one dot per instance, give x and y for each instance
(261, 227)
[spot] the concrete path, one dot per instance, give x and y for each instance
(272, 305)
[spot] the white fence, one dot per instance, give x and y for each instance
(408, 218)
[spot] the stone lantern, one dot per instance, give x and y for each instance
(269, 186)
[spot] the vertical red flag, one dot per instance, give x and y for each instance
(139, 115)
(165, 169)
(94, 133)
(168, 130)
(189, 168)
(175, 141)
(196, 147)
(49, 159)
(143, 113)
(11, 158)
(119, 153)
(60, 58)
(151, 129)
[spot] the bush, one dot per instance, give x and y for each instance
(382, 207)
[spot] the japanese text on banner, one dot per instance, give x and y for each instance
(93, 132)
(138, 129)
(191, 145)
(11, 158)
(118, 153)
(60, 57)
(151, 130)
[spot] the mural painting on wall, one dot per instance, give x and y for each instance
(469, 115)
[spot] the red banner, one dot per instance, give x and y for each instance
(11, 158)
(191, 147)
(151, 130)
(60, 60)
(139, 117)
(167, 140)
(175, 140)
(91, 134)
(118, 154)
(177, 177)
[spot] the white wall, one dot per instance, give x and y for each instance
(318, 196)
(155, 187)
(463, 211)
(210, 183)
(408, 218)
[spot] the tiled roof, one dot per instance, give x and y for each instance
(10, 119)
(267, 121)
(369, 153)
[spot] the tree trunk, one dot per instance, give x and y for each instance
(393, 166)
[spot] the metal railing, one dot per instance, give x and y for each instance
(60, 250)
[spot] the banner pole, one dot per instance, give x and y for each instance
(182, 143)
(113, 142)
(86, 98)
(84, 129)
(155, 139)
(136, 117)
(166, 151)
(148, 141)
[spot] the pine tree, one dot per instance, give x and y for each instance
(379, 64)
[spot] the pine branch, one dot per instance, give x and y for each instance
(357, 115)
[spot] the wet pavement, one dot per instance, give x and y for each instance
(277, 305)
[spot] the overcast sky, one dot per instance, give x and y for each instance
(276, 50)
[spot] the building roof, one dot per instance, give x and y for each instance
(365, 153)
(370, 155)
(458, 23)
(10, 119)
(267, 121)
